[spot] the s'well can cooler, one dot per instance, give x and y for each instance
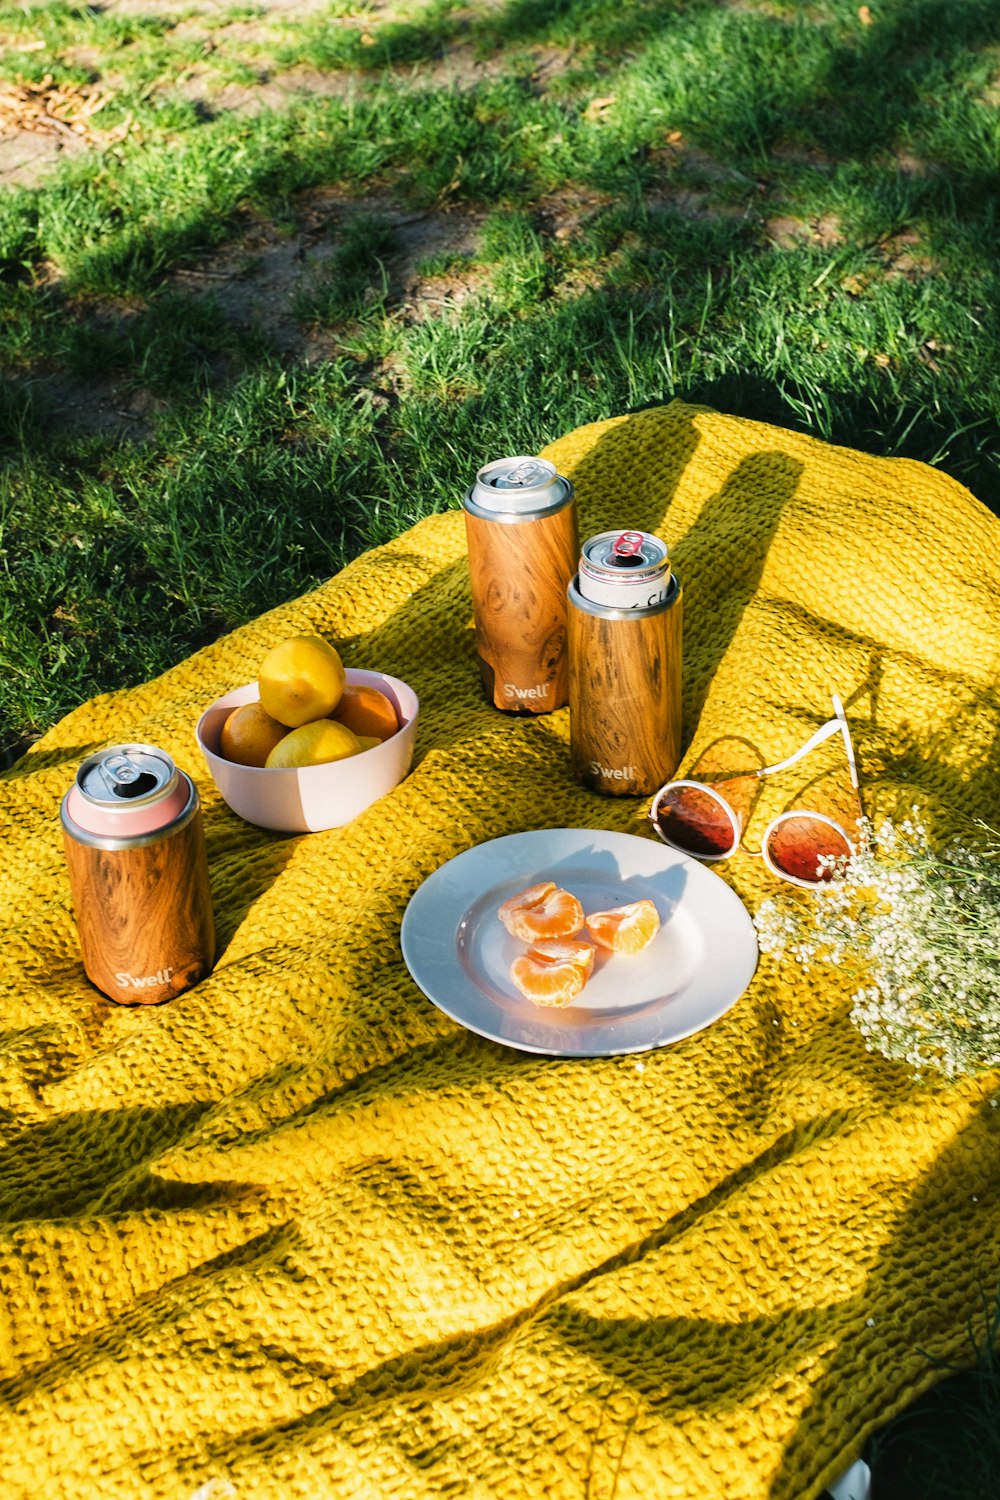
(138, 871)
(520, 520)
(625, 615)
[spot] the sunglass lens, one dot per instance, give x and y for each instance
(807, 849)
(695, 821)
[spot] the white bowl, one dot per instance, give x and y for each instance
(308, 798)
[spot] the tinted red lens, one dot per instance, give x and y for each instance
(694, 821)
(803, 847)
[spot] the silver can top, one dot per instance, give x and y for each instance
(625, 570)
(520, 486)
(126, 776)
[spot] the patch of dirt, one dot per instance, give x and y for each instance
(461, 68)
(259, 278)
(900, 256)
(25, 157)
(98, 405)
(562, 213)
(690, 203)
(41, 122)
(912, 165)
(789, 233)
(201, 88)
(680, 155)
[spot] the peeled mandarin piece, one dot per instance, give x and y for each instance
(301, 679)
(511, 910)
(542, 911)
(625, 929)
(249, 735)
(552, 973)
(314, 744)
(367, 711)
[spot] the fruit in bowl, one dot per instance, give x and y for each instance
(315, 744)
(301, 679)
(307, 713)
(250, 734)
(325, 770)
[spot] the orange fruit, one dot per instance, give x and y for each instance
(301, 679)
(249, 735)
(314, 744)
(553, 972)
(366, 710)
(542, 911)
(625, 929)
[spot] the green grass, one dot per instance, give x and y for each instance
(783, 212)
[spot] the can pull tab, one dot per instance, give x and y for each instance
(124, 778)
(626, 550)
(531, 472)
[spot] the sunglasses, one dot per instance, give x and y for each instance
(803, 846)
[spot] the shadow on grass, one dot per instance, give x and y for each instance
(276, 488)
(946, 1446)
(959, 443)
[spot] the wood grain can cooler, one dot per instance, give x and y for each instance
(138, 871)
(625, 628)
(520, 521)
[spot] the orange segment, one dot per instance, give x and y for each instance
(542, 911)
(625, 929)
(554, 972)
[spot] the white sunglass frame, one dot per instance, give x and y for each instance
(837, 725)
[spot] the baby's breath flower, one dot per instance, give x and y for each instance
(921, 928)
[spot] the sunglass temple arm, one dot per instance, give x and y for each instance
(824, 732)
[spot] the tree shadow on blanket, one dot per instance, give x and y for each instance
(958, 443)
(719, 564)
(905, 1308)
(99, 1162)
(141, 1317)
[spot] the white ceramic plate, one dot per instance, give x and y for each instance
(695, 969)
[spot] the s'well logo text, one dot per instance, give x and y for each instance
(144, 981)
(540, 690)
(612, 773)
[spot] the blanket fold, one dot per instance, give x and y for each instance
(298, 1234)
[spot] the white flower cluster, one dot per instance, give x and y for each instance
(921, 931)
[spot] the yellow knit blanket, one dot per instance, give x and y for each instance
(298, 1234)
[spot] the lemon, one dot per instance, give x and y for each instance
(301, 679)
(314, 744)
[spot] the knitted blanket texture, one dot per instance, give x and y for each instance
(299, 1234)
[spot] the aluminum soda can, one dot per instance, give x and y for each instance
(520, 520)
(625, 570)
(138, 871)
(625, 619)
